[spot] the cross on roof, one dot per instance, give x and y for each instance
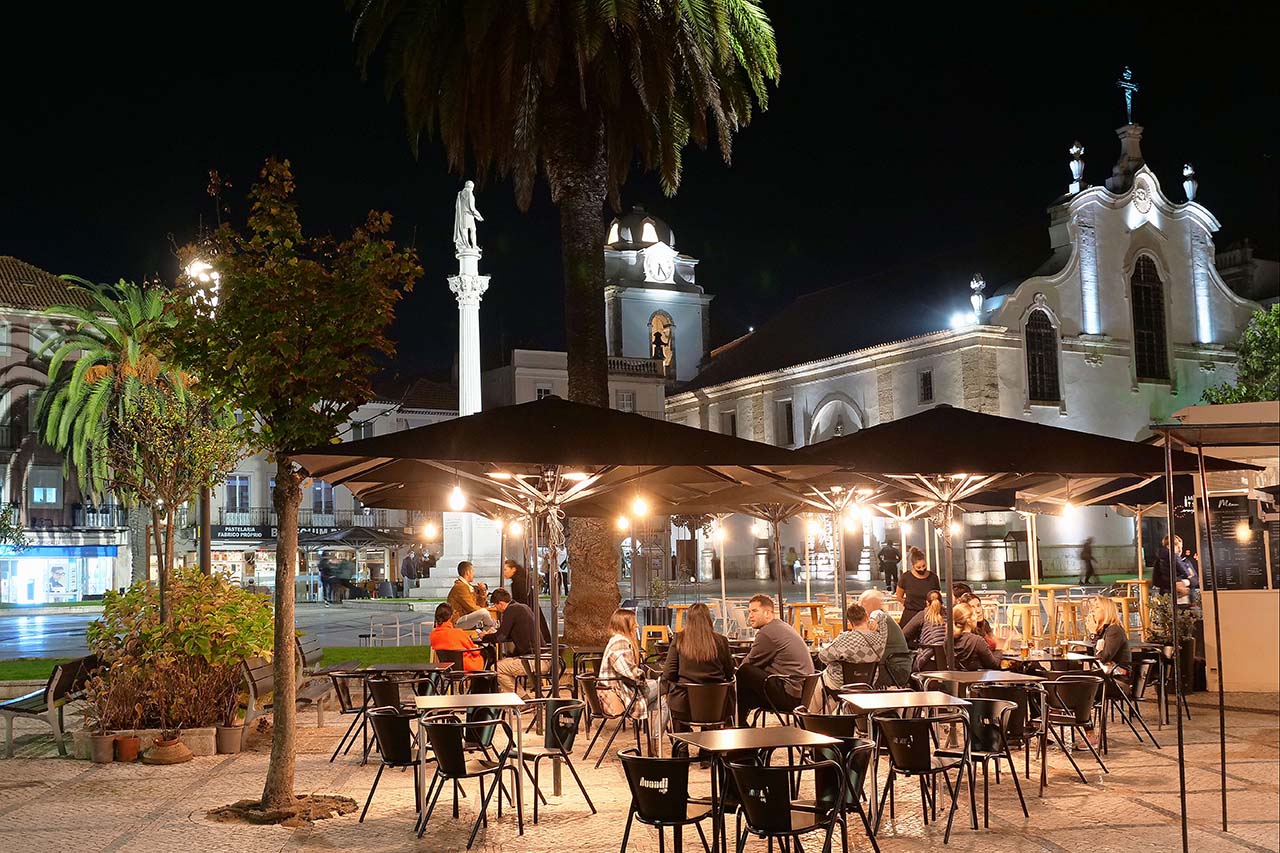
(1126, 85)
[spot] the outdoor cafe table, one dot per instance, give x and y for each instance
(1050, 591)
(432, 668)
(465, 702)
(722, 741)
(964, 679)
(1048, 661)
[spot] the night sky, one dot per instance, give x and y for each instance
(897, 134)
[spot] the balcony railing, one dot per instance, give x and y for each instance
(80, 516)
(626, 366)
(264, 516)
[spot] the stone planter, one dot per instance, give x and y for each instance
(230, 739)
(127, 748)
(171, 751)
(201, 742)
(102, 748)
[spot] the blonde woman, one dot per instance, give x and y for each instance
(620, 668)
(1110, 639)
(972, 650)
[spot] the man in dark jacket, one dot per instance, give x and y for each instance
(889, 560)
(516, 628)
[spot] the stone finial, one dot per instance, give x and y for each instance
(1189, 182)
(977, 285)
(1077, 167)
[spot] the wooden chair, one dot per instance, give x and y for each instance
(66, 683)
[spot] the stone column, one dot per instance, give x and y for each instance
(469, 287)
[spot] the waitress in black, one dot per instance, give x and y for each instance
(914, 586)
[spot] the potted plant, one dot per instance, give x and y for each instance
(1161, 631)
(658, 613)
(125, 688)
(102, 742)
(230, 735)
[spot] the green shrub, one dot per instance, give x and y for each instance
(184, 674)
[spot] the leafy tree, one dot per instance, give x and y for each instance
(97, 366)
(1257, 364)
(576, 93)
(169, 444)
(11, 532)
(292, 345)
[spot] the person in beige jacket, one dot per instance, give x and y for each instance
(467, 612)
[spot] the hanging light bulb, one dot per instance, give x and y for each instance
(639, 507)
(623, 523)
(956, 528)
(815, 528)
(515, 528)
(498, 525)
(429, 531)
(719, 533)
(457, 499)
(1069, 510)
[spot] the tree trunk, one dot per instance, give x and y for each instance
(162, 578)
(278, 792)
(579, 179)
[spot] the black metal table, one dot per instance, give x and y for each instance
(964, 679)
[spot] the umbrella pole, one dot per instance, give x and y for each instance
(724, 595)
(502, 555)
(808, 566)
(1177, 647)
(1212, 577)
(1137, 523)
(536, 596)
(946, 541)
(837, 555)
(777, 559)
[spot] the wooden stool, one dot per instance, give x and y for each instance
(680, 610)
(654, 633)
(1020, 617)
(1069, 608)
(1126, 603)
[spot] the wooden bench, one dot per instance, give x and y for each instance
(66, 684)
(310, 653)
(314, 687)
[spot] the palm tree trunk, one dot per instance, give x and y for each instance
(162, 578)
(278, 791)
(580, 178)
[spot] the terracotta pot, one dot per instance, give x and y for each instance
(103, 749)
(230, 739)
(167, 752)
(127, 747)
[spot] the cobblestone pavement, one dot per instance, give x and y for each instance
(62, 804)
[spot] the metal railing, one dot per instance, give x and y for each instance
(266, 516)
(81, 516)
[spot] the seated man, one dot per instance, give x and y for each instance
(516, 628)
(448, 637)
(777, 650)
(468, 613)
(864, 642)
(896, 669)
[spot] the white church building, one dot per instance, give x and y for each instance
(1126, 321)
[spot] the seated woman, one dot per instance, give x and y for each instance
(983, 628)
(864, 642)
(913, 628)
(621, 671)
(697, 655)
(1110, 640)
(972, 651)
(446, 636)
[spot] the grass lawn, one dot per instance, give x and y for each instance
(375, 654)
(26, 669)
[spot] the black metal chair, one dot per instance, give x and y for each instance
(1070, 702)
(450, 740)
(988, 743)
(786, 717)
(855, 754)
(710, 705)
(462, 681)
(393, 734)
(772, 811)
(850, 674)
(1022, 725)
(912, 752)
(1118, 697)
(560, 720)
(660, 797)
(592, 687)
(348, 706)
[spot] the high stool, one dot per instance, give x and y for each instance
(655, 633)
(1127, 603)
(1069, 611)
(1021, 615)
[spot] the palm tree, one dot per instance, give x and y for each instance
(575, 92)
(96, 366)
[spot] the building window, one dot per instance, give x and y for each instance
(1042, 359)
(32, 399)
(237, 493)
(361, 429)
(1150, 347)
(542, 392)
(46, 485)
(321, 498)
(729, 422)
(784, 426)
(4, 338)
(40, 335)
(626, 401)
(926, 386)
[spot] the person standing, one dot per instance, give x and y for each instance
(793, 563)
(913, 586)
(698, 655)
(468, 614)
(409, 568)
(1086, 559)
(889, 559)
(523, 591)
(777, 650)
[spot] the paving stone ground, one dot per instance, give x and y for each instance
(51, 804)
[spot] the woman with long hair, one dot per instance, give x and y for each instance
(620, 667)
(931, 632)
(972, 650)
(1110, 640)
(698, 655)
(914, 586)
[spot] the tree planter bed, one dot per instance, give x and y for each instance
(201, 741)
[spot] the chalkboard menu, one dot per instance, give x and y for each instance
(1273, 542)
(1239, 550)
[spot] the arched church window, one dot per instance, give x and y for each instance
(648, 234)
(1042, 359)
(662, 339)
(1150, 346)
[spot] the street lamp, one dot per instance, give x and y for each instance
(202, 272)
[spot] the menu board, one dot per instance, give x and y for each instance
(1271, 513)
(1239, 549)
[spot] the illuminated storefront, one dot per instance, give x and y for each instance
(47, 574)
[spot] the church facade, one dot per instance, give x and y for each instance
(1127, 321)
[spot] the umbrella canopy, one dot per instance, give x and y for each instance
(355, 537)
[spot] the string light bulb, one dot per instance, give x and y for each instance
(1069, 510)
(639, 507)
(429, 531)
(623, 523)
(515, 528)
(956, 528)
(719, 533)
(457, 499)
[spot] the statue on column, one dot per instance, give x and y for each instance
(465, 217)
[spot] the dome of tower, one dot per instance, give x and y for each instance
(638, 229)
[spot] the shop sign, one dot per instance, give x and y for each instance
(241, 532)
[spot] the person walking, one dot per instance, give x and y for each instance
(793, 563)
(913, 586)
(1086, 559)
(889, 559)
(523, 591)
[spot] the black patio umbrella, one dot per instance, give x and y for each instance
(355, 537)
(539, 458)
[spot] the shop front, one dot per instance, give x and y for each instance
(50, 574)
